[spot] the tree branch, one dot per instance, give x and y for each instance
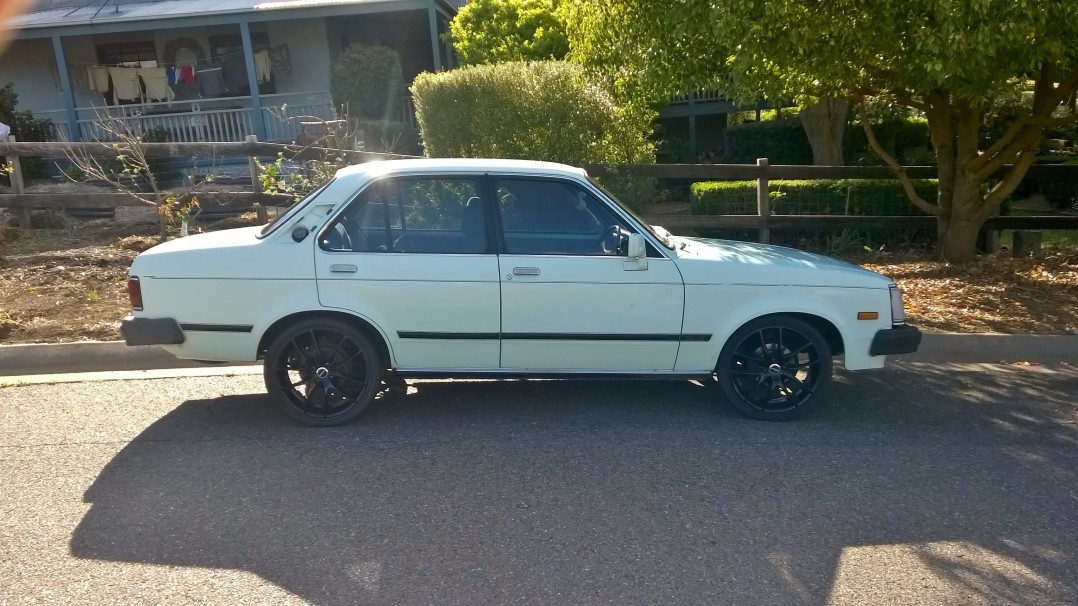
(903, 178)
(1007, 185)
(987, 166)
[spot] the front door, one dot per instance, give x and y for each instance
(413, 256)
(570, 298)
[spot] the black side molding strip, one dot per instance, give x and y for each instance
(218, 327)
(551, 336)
(460, 336)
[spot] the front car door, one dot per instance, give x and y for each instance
(571, 299)
(413, 256)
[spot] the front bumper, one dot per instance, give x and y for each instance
(151, 331)
(896, 340)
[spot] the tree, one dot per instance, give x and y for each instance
(490, 31)
(951, 61)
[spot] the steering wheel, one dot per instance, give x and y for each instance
(336, 239)
(354, 235)
(614, 240)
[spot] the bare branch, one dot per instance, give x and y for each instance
(903, 178)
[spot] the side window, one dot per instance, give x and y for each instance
(546, 217)
(413, 215)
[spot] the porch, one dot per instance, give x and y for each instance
(251, 68)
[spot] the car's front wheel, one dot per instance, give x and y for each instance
(774, 368)
(322, 372)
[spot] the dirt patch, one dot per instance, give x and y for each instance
(59, 285)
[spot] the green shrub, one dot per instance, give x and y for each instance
(825, 196)
(390, 137)
(780, 141)
(25, 127)
(541, 110)
(367, 81)
(907, 140)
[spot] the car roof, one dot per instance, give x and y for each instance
(463, 165)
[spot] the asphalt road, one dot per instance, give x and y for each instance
(921, 484)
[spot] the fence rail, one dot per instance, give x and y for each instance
(763, 221)
(251, 148)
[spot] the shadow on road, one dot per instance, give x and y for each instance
(951, 482)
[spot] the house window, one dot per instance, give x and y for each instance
(227, 51)
(130, 54)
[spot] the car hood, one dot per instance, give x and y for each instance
(704, 260)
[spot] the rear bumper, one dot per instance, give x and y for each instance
(151, 331)
(896, 340)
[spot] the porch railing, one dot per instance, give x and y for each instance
(699, 96)
(228, 119)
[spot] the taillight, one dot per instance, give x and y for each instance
(134, 292)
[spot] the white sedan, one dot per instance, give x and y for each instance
(500, 268)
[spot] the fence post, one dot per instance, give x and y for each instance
(18, 187)
(256, 183)
(763, 201)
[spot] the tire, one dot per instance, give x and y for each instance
(775, 368)
(322, 372)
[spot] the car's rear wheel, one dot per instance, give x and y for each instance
(322, 372)
(774, 368)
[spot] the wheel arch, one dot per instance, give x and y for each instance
(366, 327)
(827, 329)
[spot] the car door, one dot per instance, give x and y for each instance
(412, 254)
(571, 300)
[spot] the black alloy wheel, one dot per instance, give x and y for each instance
(322, 372)
(774, 368)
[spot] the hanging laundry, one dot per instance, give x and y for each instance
(173, 74)
(263, 66)
(282, 63)
(125, 85)
(155, 81)
(187, 74)
(98, 76)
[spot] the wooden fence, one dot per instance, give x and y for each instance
(762, 172)
(21, 202)
(763, 221)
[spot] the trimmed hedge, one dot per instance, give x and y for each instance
(907, 140)
(880, 197)
(539, 110)
(535, 110)
(780, 141)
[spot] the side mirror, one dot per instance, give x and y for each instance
(637, 247)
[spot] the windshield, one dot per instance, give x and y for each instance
(664, 237)
(281, 218)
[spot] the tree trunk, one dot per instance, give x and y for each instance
(825, 125)
(960, 226)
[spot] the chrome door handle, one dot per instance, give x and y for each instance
(526, 271)
(338, 268)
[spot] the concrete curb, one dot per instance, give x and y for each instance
(102, 356)
(88, 356)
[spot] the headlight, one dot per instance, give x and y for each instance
(898, 310)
